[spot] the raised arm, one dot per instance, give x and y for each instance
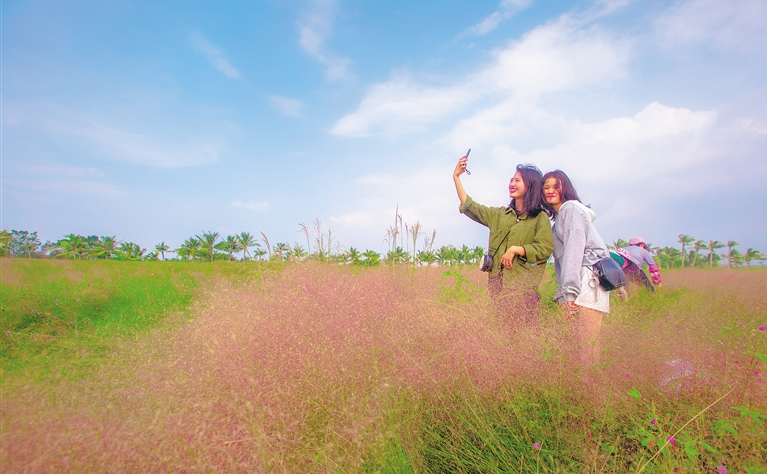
(460, 168)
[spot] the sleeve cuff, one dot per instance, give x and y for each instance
(463, 207)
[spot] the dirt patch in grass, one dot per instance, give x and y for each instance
(7, 275)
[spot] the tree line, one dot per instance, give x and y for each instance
(701, 253)
(321, 245)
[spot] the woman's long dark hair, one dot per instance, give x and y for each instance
(533, 179)
(565, 187)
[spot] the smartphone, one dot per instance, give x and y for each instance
(467, 156)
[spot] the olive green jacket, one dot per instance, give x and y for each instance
(507, 229)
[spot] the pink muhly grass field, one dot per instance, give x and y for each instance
(318, 368)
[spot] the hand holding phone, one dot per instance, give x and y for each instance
(467, 157)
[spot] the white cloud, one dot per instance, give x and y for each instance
(654, 122)
(557, 57)
(625, 151)
(552, 58)
(214, 55)
(251, 205)
(401, 105)
(314, 27)
(287, 106)
(506, 9)
(740, 24)
(756, 126)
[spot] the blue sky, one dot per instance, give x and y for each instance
(155, 121)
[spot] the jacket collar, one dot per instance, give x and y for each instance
(512, 210)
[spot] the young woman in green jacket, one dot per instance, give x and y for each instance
(520, 240)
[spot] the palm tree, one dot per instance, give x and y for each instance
(730, 244)
(663, 257)
(400, 255)
(228, 245)
(685, 239)
(673, 254)
(245, 240)
(713, 245)
(93, 246)
(72, 245)
(162, 247)
(371, 257)
(353, 256)
(736, 258)
(620, 243)
(298, 251)
(281, 251)
(130, 251)
(698, 246)
(189, 249)
(478, 253)
(751, 255)
(208, 242)
(259, 252)
(445, 254)
(109, 245)
(465, 254)
(427, 257)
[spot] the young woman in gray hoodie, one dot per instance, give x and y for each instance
(577, 247)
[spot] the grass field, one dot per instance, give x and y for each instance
(246, 367)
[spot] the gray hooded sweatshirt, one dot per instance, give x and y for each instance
(576, 244)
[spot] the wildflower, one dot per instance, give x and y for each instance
(763, 328)
(653, 421)
(671, 440)
(721, 469)
(757, 373)
(537, 446)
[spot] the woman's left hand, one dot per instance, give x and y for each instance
(508, 256)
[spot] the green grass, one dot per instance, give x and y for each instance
(72, 313)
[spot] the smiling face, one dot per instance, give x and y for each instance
(517, 188)
(552, 192)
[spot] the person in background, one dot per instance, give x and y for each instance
(520, 241)
(634, 257)
(577, 247)
(622, 293)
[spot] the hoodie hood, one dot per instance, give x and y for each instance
(587, 210)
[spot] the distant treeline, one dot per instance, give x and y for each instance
(322, 245)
